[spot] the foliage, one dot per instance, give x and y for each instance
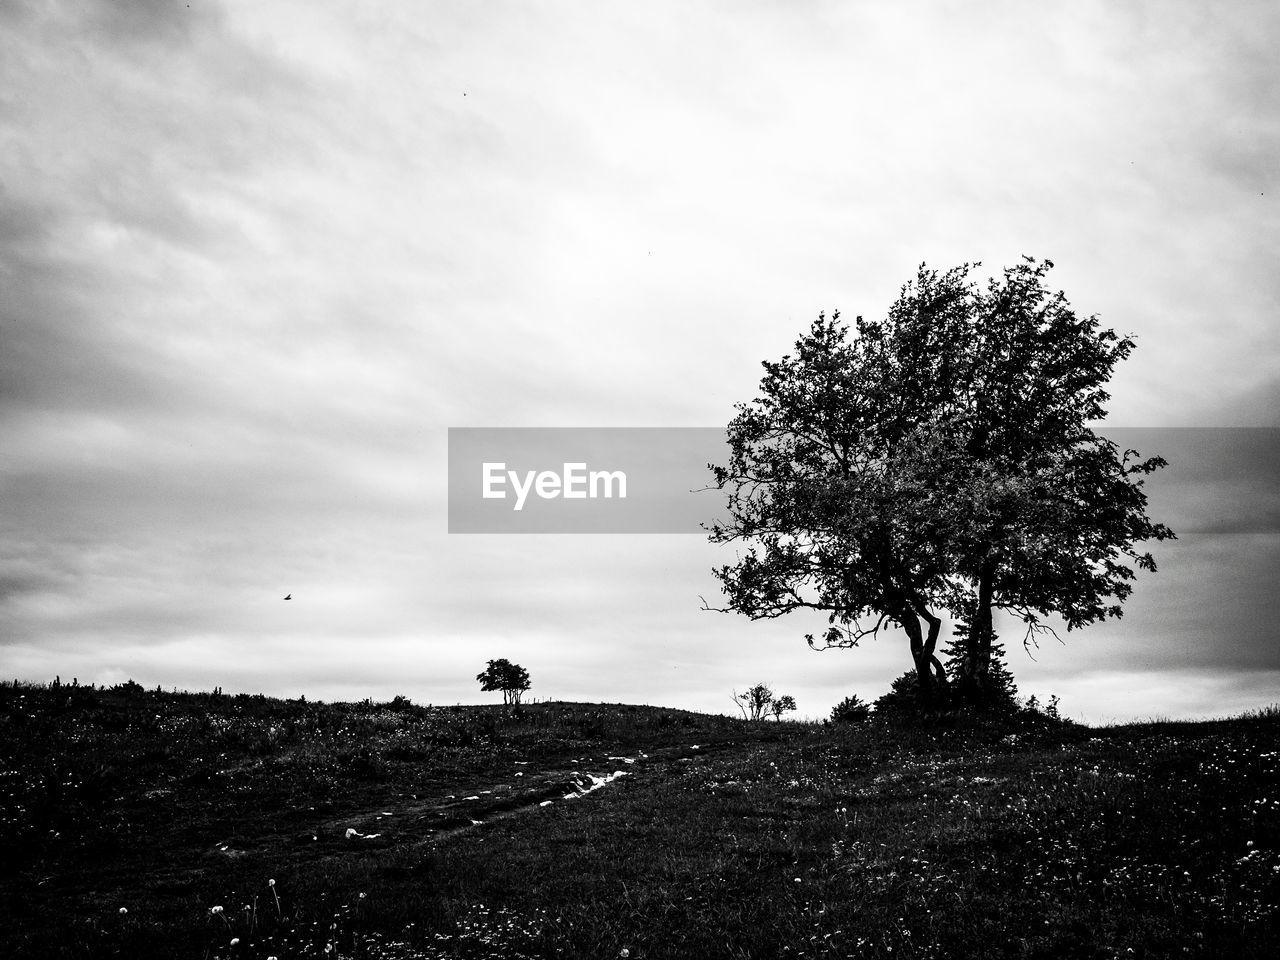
(782, 705)
(938, 461)
(754, 704)
(511, 678)
(760, 701)
(999, 692)
(1048, 710)
(851, 710)
(902, 700)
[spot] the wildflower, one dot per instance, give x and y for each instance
(624, 953)
(123, 911)
(215, 910)
(271, 883)
(235, 941)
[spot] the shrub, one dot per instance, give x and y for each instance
(851, 710)
(1034, 707)
(1001, 693)
(781, 705)
(755, 703)
(903, 698)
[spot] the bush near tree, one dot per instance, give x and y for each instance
(851, 710)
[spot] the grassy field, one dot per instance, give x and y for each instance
(146, 824)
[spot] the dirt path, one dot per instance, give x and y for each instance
(411, 821)
(527, 788)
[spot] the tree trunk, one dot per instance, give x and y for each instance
(909, 609)
(930, 676)
(974, 682)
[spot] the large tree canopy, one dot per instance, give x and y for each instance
(939, 461)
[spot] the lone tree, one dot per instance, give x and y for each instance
(781, 705)
(759, 701)
(938, 461)
(511, 678)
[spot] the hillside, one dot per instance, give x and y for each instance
(139, 823)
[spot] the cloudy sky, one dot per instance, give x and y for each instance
(257, 258)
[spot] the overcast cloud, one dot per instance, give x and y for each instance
(256, 259)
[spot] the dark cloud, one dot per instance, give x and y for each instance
(1255, 403)
(1218, 479)
(1205, 607)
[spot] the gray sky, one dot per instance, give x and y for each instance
(258, 257)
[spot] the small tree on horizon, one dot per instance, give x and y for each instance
(511, 678)
(781, 705)
(755, 703)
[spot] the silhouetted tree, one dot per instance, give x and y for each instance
(902, 698)
(937, 461)
(511, 678)
(755, 703)
(996, 689)
(851, 710)
(781, 705)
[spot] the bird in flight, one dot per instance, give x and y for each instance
(288, 596)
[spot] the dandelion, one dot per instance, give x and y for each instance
(624, 953)
(215, 910)
(271, 883)
(235, 941)
(123, 911)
